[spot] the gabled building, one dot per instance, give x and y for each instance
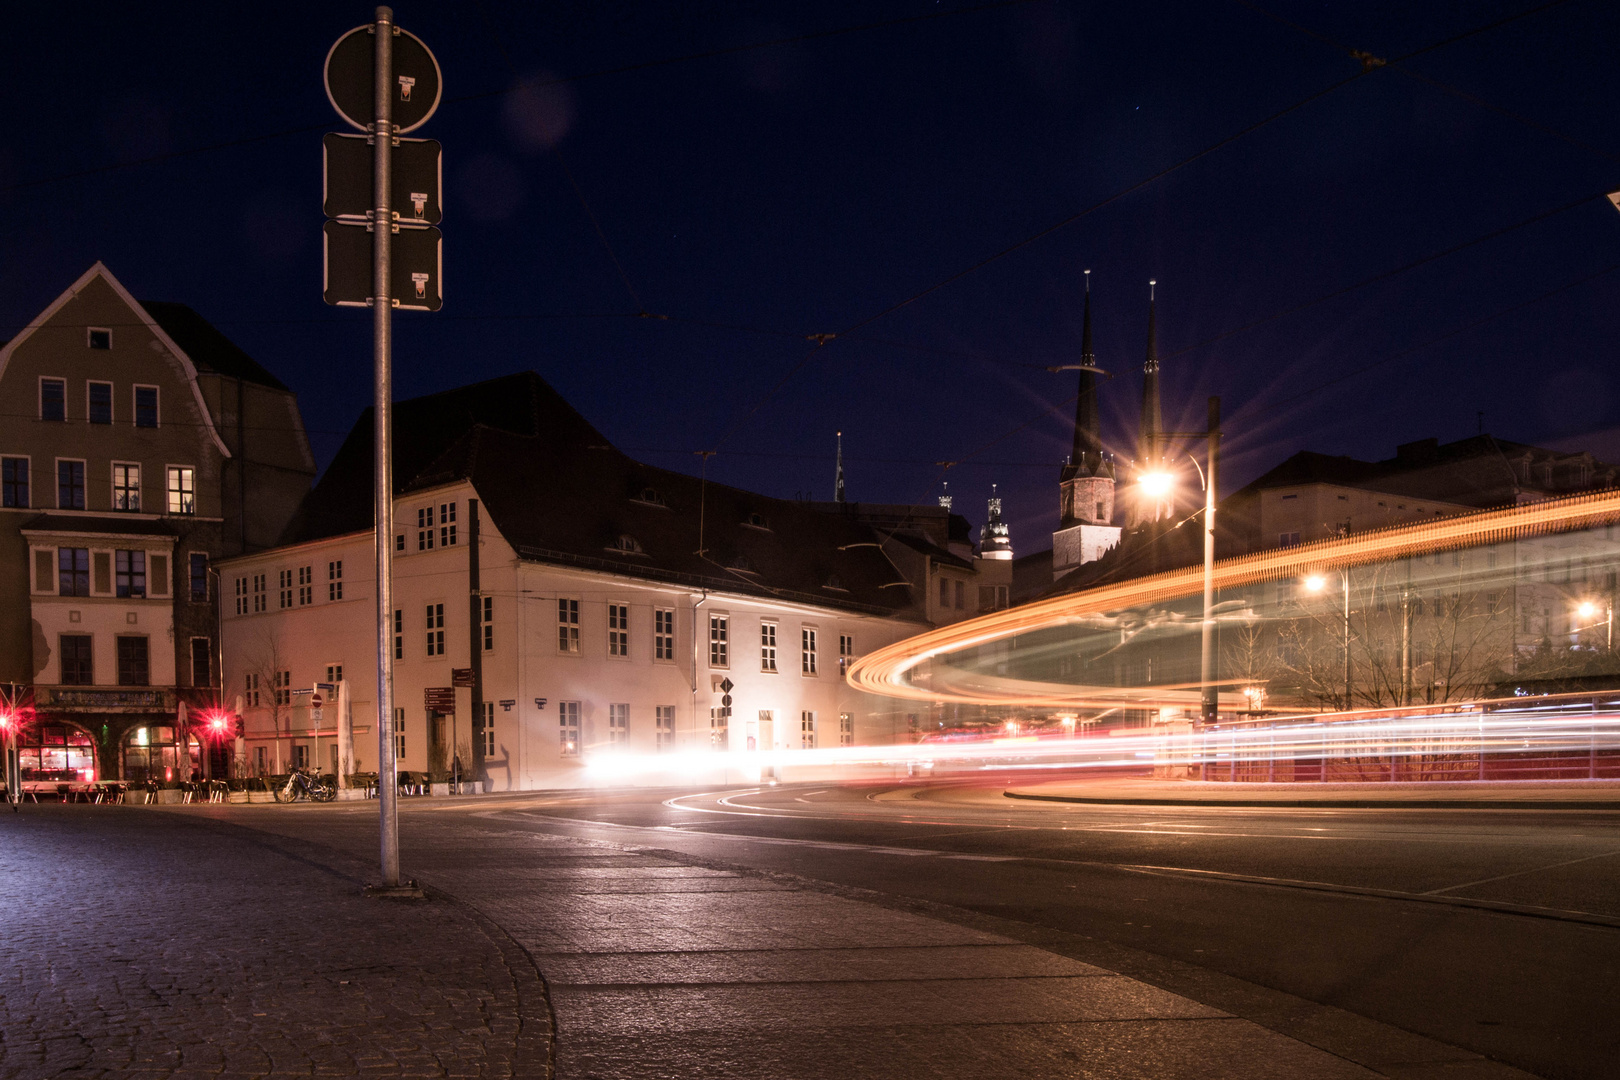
(143, 446)
(597, 606)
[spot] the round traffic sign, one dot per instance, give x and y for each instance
(350, 79)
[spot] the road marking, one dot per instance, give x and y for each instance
(1520, 873)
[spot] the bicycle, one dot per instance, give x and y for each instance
(301, 784)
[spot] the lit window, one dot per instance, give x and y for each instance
(126, 487)
(101, 402)
(807, 649)
(619, 724)
(435, 629)
(846, 729)
(14, 482)
(130, 574)
(568, 727)
(618, 630)
(146, 406)
(767, 646)
(182, 489)
(719, 647)
(52, 399)
(664, 634)
(334, 580)
(568, 626)
(846, 652)
(664, 716)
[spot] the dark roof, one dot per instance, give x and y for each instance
(116, 525)
(209, 350)
(559, 492)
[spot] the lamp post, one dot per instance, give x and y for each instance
(1156, 484)
(1588, 609)
(1316, 583)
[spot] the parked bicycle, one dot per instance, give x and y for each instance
(301, 785)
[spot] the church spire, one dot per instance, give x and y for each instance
(1086, 457)
(1152, 421)
(838, 476)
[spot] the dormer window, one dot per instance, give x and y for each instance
(741, 563)
(650, 496)
(834, 582)
(626, 545)
(99, 337)
(756, 521)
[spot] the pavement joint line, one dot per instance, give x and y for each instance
(1520, 873)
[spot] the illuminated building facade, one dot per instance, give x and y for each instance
(603, 604)
(142, 447)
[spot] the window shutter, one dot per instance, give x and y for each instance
(44, 570)
(159, 583)
(102, 562)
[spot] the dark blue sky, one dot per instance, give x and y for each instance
(763, 195)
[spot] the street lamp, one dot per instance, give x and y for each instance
(1316, 583)
(1157, 484)
(1588, 609)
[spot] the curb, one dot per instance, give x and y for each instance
(1354, 804)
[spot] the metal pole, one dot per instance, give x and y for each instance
(1345, 575)
(1210, 694)
(382, 310)
(480, 728)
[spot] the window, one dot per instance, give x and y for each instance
(98, 337)
(846, 652)
(944, 593)
(447, 524)
(258, 593)
(281, 683)
(568, 626)
(182, 489)
(70, 485)
(807, 651)
(250, 688)
(130, 574)
(961, 592)
(399, 734)
(52, 399)
(146, 406)
(45, 570)
(334, 580)
(73, 571)
(126, 487)
(1287, 539)
(101, 568)
(334, 673)
(767, 722)
(259, 761)
(100, 401)
(132, 661)
(767, 646)
(619, 724)
(399, 634)
(719, 728)
(487, 607)
(300, 755)
(14, 482)
(489, 729)
(424, 528)
(719, 631)
(202, 654)
(199, 577)
(76, 667)
(807, 730)
(664, 723)
(568, 727)
(306, 585)
(618, 630)
(399, 542)
(663, 634)
(846, 729)
(435, 629)
(284, 587)
(157, 574)
(987, 598)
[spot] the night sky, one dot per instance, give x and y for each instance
(754, 196)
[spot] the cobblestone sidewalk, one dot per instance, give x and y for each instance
(148, 945)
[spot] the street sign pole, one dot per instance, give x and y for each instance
(382, 312)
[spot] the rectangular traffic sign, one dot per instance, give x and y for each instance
(417, 265)
(418, 172)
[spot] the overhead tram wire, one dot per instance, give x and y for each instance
(623, 69)
(1366, 69)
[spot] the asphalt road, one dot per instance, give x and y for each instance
(1497, 931)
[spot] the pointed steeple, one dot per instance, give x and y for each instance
(945, 494)
(838, 477)
(1152, 422)
(995, 541)
(1086, 457)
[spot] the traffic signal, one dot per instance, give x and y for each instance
(241, 728)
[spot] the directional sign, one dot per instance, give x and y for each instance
(417, 264)
(439, 699)
(351, 82)
(418, 195)
(461, 676)
(725, 686)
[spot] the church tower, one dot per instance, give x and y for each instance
(995, 541)
(1086, 526)
(1148, 504)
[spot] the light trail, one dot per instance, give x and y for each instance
(1468, 732)
(888, 671)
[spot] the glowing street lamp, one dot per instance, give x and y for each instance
(1317, 583)
(1156, 485)
(1588, 609)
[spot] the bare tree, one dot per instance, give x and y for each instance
(265, 663)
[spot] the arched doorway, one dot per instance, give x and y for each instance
(152, 753)
(51, 750)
